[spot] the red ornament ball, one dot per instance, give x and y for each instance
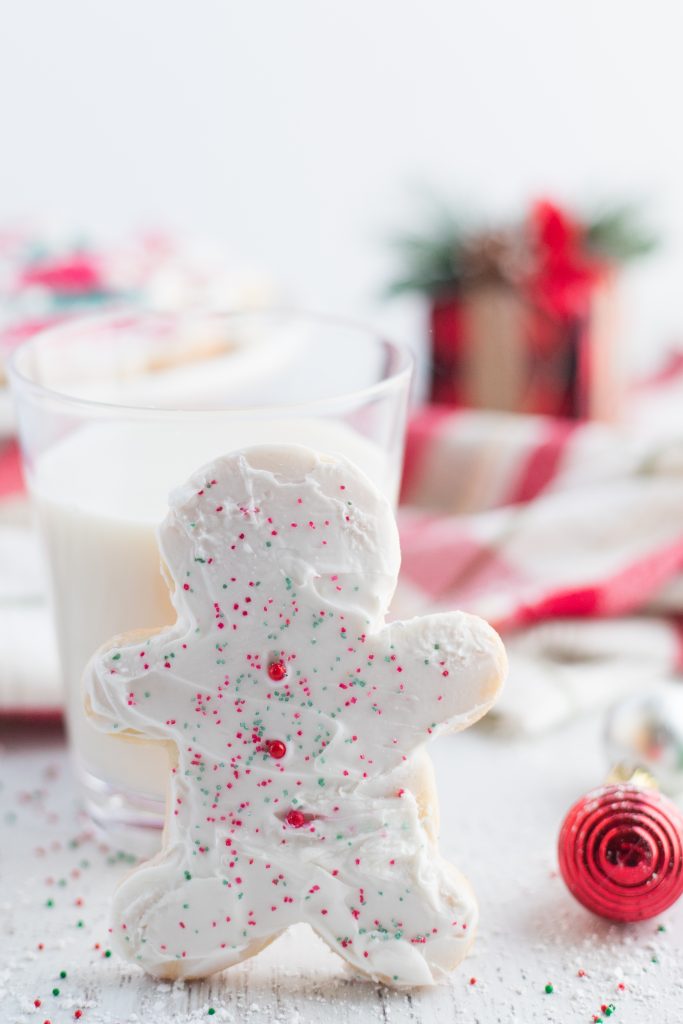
(621, 852)
(296, 819)
(277, 670)
(276, 749)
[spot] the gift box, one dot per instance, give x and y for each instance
(525, 319)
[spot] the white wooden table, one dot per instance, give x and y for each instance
(502, 803)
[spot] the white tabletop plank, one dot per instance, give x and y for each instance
(502, 803)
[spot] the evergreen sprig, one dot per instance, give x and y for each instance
(616, 234)
(435, 261)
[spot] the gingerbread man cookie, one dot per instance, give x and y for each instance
(295, 721)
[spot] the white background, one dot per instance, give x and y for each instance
(296, 131)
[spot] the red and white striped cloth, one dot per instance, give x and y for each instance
(566, 536)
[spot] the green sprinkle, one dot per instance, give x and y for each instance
(62, 975)
(549, 989)
(321, 782)
(661, 928)
(211, 1011)
(55, 991)
(49, 903)
(107, 952)
(80, 924)
(115, 657)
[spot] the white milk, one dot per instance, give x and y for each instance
(100, 495)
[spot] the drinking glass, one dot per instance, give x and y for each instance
(116, 410)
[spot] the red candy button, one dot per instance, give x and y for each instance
(277, 670)
(276, 749)
(296, 819)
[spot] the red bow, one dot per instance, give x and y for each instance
(563, 273)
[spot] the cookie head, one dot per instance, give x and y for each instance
(288, 513)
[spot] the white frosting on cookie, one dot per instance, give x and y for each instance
(296, 720)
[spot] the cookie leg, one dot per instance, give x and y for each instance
(406, 931)
(162, 911)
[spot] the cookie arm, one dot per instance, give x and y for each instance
(440, 673)
(111, 675)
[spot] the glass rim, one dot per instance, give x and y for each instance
(22, 381)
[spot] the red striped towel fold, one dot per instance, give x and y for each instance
(568, 537)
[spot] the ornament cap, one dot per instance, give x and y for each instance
(624, 773)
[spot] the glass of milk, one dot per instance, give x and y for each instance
(116, 410)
